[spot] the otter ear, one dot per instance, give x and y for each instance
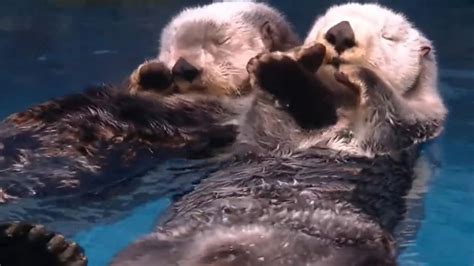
(269, 35)
(425, 50)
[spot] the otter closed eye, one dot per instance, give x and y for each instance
(389, 37)
(223, 41)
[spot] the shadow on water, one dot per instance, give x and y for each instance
(50, 48)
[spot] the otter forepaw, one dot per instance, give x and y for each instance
(27, 244)
(311, 57)
(151, 76)
(350, 81)
(262, 63)
(307, 99)
(363, 82)
(276, 73)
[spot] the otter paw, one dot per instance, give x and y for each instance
(311, 57)
(305, 98)
(151, 76)
(351, 83)
(27, 244)
(363, 82)
(277, 74)
(350, 77)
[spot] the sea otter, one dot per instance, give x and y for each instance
(82, 142)
(320, 203)
(304, 204)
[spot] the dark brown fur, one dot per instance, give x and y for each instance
(84, 141)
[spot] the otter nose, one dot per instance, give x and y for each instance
(185, 70)
(341, 36)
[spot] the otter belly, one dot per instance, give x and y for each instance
(314, 207)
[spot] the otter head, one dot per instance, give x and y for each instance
(375, 37)
(207, 48)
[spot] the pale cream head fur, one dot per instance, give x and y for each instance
(389, 45)
(219, 39)
(385, 41)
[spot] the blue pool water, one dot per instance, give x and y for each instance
(52, 47)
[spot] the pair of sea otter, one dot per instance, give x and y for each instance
(331, 127)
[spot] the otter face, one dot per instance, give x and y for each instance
(207, 48)
(377, 38)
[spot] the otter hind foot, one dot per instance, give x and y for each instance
(23, 244)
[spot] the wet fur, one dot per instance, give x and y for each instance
(396, 124)
(319, 207)
(82, 142)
